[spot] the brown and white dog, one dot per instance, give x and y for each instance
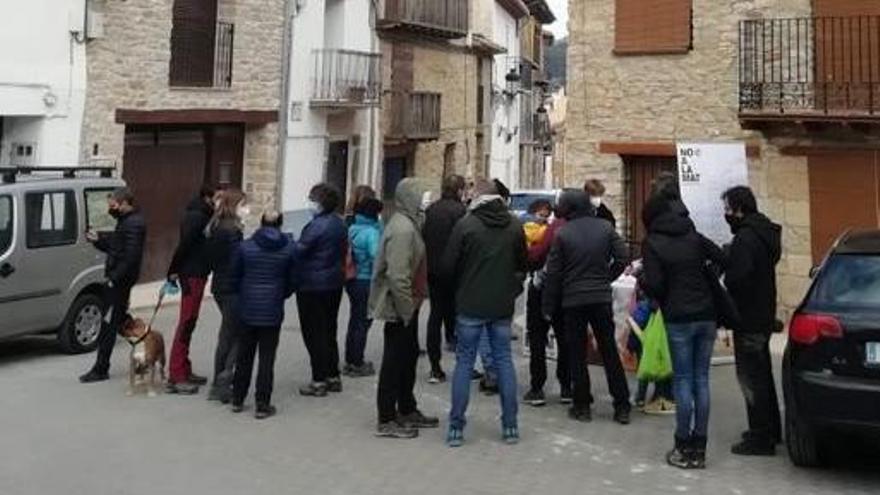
(147, 355)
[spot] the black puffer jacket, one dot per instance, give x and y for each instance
(440, 218)
(190, 258)
(675, 257)
(125, 249)
(223, 240)
(751, 272)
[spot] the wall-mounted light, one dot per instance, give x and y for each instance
(513, 79)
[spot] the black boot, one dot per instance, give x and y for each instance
(698, 452)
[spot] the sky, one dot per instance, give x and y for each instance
(560, 9)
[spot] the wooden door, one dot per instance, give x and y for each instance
(165, 169)
(337, 166)
(844, 189)
(225, 156)
(640, 172)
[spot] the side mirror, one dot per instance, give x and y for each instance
(814, 271)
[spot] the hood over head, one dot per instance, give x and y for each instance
(573, 204)
(408, 198)
(271, 238)
(768, 232)
(491, 210)
(672, 222)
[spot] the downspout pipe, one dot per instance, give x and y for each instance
(290, 11)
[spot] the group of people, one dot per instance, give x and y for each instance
(472, 258)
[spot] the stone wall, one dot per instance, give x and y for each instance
(680, 97)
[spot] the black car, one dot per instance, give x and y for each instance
(831, 368)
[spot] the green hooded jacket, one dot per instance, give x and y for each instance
(394, 293)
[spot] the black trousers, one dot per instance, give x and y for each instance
(117, 299)
(227, 341)
(600, 318)
(252, 339)
(754, 370)
(318, 313)
(442, 315)
(397, 378)
(538, 329)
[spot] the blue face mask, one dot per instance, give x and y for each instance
(313, 207)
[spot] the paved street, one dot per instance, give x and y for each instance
(60, 437)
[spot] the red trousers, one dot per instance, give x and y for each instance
(179, 366)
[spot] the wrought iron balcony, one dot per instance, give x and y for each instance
(810, 69)
(415, 116)
(346, 78)
(438, 18)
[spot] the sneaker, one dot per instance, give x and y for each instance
(93, 377)
(314, 389)
(181, 388)
(621, 416)
(265, 411)
(753, 447)
(582, 415)
(510, 435)
(535, 398)
(454, 437)
(197, 379)
(237, 408)
(679, 458)
(565, 396)
(393, 429)
(364, 370)
(416, 419)
(334, 385)
(436, 377)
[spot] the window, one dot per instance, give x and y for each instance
(193, 36)
(97, 217)
(51, 219)
(849, 281)
(646, 27)
(6, 224)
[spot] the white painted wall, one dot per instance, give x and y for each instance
(338, 24)
(42, 78)
(504, 154)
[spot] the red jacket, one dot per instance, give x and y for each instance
(538, 252)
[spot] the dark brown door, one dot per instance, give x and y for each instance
(640, 172)
(844, 189)
(164, 169)
(337, 166)
(225, 156)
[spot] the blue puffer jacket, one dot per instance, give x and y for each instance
(320, 254)
(263, 272)
(364, 238)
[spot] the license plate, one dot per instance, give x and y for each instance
(872, 353)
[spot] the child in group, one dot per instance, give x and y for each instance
(662, 402)
(536, 220)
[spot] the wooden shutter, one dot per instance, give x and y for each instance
(652, 27)
(640, 172)
(192, 43)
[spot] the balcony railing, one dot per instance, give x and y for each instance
(200, 57)
(346, 78)
(415, 116)
(439, 18)
(821, 68)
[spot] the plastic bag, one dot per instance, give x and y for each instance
(656, 363)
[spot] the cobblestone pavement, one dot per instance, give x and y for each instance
(60, 437)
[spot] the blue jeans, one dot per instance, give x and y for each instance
(691, 345)
(358, 322)
(469, 332)
(485, 351)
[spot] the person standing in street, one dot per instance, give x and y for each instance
(596, 190)
(263, 273)
(224, 235)
(363, 239)
(675, 275)
(189, 268)
(400, 285)
(321, 276)
(124, 248)
(751, 280)
(586, 257)
(485, 262)
(359, 194)
(440, 218)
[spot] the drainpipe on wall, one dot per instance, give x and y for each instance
(290, 11)
(372, 170)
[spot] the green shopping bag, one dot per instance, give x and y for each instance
(656, 362)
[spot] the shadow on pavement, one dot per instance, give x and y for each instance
(24, 348)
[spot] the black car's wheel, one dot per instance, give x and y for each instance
(802, 441)
(79, 332)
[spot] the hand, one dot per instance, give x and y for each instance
(91, 236)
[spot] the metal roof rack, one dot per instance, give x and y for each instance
(10, 174)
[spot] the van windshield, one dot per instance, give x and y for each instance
(5, 224)
(849, 280)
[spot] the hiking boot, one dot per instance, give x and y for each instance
(510, 435)
(334, 385)
(436, 377)
(754, 447)
(565, 396)
(393, 429)
(197, 379)
(237, 408)
(416, 419)
(265, 411)
(581, 415)
(454, 437)
(93, 377)
(181, 388)
(314, 389)
(621, 415)
(535, 398)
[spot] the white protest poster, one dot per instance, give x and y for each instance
(705, 171)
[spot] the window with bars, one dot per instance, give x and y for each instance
(201, 47)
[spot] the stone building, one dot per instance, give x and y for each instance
(185, 92)
(794, 79)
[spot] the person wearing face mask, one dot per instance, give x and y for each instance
(224, 234)
(125, 252)
(596, 190)
(751, 281)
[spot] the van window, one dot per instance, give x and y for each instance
(5, 224)
(97, 218)
(50, 218)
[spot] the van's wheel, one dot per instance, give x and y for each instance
(803, 444)
(79, 332)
